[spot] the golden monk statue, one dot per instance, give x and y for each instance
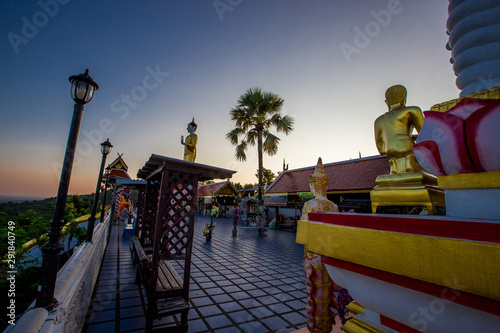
(190, 143)
(318, 183)
(393, 131)
(407, 186)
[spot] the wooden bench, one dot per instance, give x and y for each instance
(164, 291)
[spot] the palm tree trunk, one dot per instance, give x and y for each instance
(259, 149)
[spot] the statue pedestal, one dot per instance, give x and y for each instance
(472, 195)
(414, 189)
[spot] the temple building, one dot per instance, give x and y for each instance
(350, 185)
(223, 194)
(118, 169)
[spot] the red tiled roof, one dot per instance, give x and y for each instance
(120, 173)
(358, 174)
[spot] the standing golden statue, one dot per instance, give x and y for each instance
(190, 143)
(407, 186)
(393, 131)
(318, 183)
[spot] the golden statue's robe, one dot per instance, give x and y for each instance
(190, 147)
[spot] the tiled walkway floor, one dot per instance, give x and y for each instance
(248, 283)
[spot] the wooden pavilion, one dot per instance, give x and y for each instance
(164, 233)
(223, 194)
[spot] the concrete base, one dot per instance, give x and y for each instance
(477, 203)
(472, 195)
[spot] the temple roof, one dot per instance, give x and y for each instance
(119, 163)
(351, 175)
(220, 188)
(157, 163)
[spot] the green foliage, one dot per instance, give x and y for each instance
(267, 176)
(73, 230)
(239, 187)
(76, 201)
(45, 207)
(32, 221)
(35, 224)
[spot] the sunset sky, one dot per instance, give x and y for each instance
(159, 63)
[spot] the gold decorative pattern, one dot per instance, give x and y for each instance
(490, 179)
(492, 93)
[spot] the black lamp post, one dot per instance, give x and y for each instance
(105, 149)
(82, 91)
(108, 170)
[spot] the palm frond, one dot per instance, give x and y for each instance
(241, 151)
(233, 135)
(236, 113)
(251, 137)
(274, 102)
(283, 123)
(270, 145)
(251, 98)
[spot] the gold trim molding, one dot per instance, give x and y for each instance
(355, 325)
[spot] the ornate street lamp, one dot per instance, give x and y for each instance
(82, 91)
(105, 149)
(108, 170)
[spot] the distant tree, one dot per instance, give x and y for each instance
(73, 230)
(238, 186)
(267, 176)
(248, 186)
(255, 113)
(31, 226)
(77, 202)
(70, 212)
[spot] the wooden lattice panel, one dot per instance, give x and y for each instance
(140, 211)
(179, 194)
(150, 211)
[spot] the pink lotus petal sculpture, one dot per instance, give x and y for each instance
(464, 139)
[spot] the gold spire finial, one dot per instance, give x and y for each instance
(319, 177)
(319, 170)
(193, 119)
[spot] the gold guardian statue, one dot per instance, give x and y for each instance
(190, 143)
(319, 286)
(318, 183)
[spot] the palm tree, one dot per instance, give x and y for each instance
(254, 115)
